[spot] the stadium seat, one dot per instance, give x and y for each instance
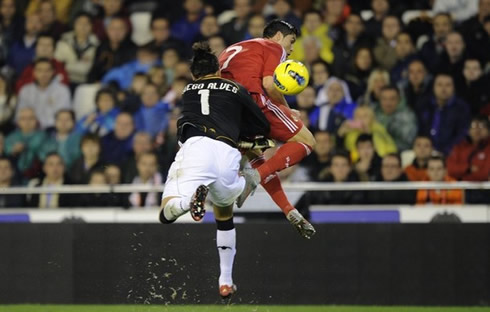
(141, 27)
(413, 14)
(225, 17)
(366, 14)
(84, 99)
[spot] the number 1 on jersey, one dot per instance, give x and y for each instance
(204, 101)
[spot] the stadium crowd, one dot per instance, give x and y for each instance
(90, 92)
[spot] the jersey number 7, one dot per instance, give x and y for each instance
(237, 50)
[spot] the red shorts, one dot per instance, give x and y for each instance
(284, 125)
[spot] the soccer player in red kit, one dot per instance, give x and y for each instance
(252, 64)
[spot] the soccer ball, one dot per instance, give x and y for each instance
(291, 77)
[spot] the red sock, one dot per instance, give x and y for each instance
(286, 156)
(273, 187)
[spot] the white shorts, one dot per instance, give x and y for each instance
(202, 160)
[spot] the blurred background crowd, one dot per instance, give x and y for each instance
(90, 92)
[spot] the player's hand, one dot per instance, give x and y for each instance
(296, 114)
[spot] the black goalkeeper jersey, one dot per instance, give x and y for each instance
(222, 109)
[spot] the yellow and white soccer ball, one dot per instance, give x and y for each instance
(291, 77)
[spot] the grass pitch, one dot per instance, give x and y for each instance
(228, 308)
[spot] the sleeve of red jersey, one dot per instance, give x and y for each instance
(273, 56)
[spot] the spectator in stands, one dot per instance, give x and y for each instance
(182, 69)
(365, 122)
(380, 9)
(378, 79)
(255, 28)
(283, 10)
(102, 121)
(142, 143)
(417, 86)
(44, 49)
(24, 144)
(169, 147)
(8, 103)
(317, 164)
(116, 146)
(350, 40)
(97, 178)
(7, 179)
(398, 119)
(187, 26)
(46, 95)
(112, 173)
(89, 161)
(152, 115)
(49, 22)
(391, 171)
(146, 57)
(460, 10)
(359, 70)
(433, 47)
(476, 32)
(77, 49)
(306, 100)
(340, 171)
(174, 95)
(235, 30)
(452, 60)
(444, 117)
(163, 38)
(422, 148)
(131, 102)
(312, 49)
(217, 44)
(313, 26)
(209, 27)
(320, 72)
(111, 9)
(470, 159)
(436, 170)
(405, 54)
(384, 51)
(368, 165)
(114, 52)
(62, 8)
(148, 174)
(63, 139)
(54, 176)
(12, 25)
(336, 94)
(335, 13)
(23, 49)
(475, 90)
(158, 77)
(334, 105)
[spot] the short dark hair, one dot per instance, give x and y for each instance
(437, 157)
(107, 91)
(391, 87)
(159, 17)
(65, 110)
(364, 138)
(395, 155)
(90, 137)
(51, 154)
(281, 26)
(83, 14)
(482, 119)
(204, 61)
(43, 60)
(312, 11)
(341, 153)
(46, 35)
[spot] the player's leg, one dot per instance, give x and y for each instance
(226, 244)
(187, 181)
(223, 193)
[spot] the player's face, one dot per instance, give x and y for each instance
(287, 43)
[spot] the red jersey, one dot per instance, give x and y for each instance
(249, 61)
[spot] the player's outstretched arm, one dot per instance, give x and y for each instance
(272, 92)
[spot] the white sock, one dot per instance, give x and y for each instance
(176, 207)
(226, 243)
